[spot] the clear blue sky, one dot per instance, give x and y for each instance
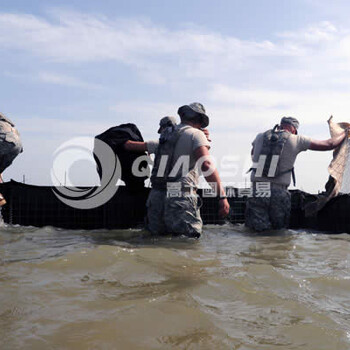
(75, 68)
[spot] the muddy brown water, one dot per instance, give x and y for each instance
(230, 289)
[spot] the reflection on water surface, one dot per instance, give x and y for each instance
(124, 289)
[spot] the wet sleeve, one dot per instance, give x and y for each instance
(303, 143)
(152, 146)
(199, 140)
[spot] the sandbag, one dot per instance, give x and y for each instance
(339, 170)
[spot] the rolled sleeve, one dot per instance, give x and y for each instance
(152, 146)
(303, 143)
(199, 140)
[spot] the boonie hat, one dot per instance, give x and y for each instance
(166, 121)
(291, 121)
(197, 108)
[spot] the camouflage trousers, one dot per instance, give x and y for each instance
(173, 215)
(266, 213)
(8, 152)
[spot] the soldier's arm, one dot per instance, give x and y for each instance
(206, 133)
(212, 176)
(327, 145)
(135, 146)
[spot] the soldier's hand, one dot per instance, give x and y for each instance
(206, 133)
(224, 207)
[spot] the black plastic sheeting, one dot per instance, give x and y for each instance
(115, 137)
(38, 206)
(29, 205)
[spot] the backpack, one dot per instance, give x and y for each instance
(164, 157)
(270, 154)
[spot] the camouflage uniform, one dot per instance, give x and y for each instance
(274, 153)
(266, 213)
(179, 214)
(10, 143)
(173, 215)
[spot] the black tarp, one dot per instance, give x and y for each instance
(115, 137)
(30, 205)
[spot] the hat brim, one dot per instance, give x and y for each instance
(205, 121)
(182, 110)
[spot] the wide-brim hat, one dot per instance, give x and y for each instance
(199, 109)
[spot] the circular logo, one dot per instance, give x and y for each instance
(108, 167)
